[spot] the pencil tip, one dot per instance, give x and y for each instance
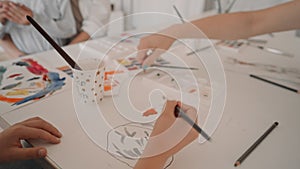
(209, 139)
(237, 163)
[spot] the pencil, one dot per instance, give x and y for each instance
(179, 113)
(204, 48)
(178, 13)
(256, 143)
(198, 50)
(276, 84)
(68, 59)
(174, 67)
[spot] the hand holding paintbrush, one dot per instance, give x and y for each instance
(171, 134)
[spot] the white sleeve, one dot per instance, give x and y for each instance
(64, 26)
(2, 30)
(96, 14)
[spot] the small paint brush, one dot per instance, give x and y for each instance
(178, 13)
(180, 113)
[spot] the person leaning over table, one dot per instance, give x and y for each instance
(232, 26)
(91, 17)
(19, 38)
(167, 123)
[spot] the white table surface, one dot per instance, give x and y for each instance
(251, 107)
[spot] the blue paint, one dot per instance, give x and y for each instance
(21, 63)
(11, 86)
(2, 71)
(19, 78)
(145, 67)
(55, 83)
(34, 78)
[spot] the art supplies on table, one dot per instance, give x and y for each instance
(26, 81)
(155, 86)
(255, 144)
(235, 45)
(275, 71)
(180, 113)
(178, 14)
(273, 50)
(112, 79)
(62, 53)
(132, 64)
(275, 84)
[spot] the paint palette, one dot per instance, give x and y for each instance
(132, 64)
(25, 81)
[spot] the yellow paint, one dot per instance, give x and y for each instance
(18, 93)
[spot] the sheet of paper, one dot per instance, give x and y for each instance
(269, 69)
(27, 80)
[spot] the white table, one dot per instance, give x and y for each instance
(251, 107)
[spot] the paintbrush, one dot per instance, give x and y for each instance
(174, 67)
(62, 53)
(178, 13)
(179, 113)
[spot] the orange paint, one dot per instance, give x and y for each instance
(107, 87)
(9, 100)
(149, 112)
(106, 74)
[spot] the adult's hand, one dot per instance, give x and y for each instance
(3, 11)
(34, 128)
(158, 43)
(17, 13)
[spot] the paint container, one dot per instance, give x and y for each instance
(88, 83)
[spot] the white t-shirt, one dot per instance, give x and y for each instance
(96, 14)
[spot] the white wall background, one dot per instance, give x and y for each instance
(190, 9)
(247, 5)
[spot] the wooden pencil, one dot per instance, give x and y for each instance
(274, 83)
(255, 144)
